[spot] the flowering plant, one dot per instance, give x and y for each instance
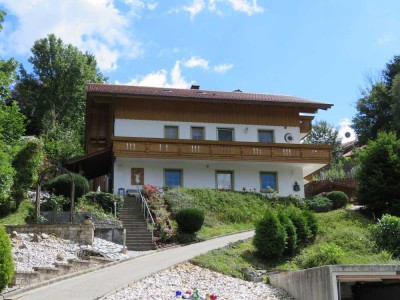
(150, 191)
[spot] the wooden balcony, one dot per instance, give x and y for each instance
(215, 150)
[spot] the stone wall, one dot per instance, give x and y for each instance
(82, 234)
(115, 235)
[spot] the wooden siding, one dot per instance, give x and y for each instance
(305, 124)
(148, 109)
(215, 150)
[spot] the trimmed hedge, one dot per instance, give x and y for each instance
(270, 236)
(320, 204)
(339, 199)
(61, 185)
(6, 260)
(189, 220)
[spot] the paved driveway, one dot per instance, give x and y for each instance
(95, 285)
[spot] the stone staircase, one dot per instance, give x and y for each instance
(138, 237)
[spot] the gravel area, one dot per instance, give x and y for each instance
(37, 250)
(186, 276)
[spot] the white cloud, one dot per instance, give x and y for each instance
(344, 127)
(250, 7)
(162, 78)
(223, 68)
(194, 62)
(196, 7)
(93, 25)
(385, 39)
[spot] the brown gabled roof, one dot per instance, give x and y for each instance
(201, 95)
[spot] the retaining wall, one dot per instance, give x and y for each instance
(82, 234)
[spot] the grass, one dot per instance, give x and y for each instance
(346, 229)
(18, 218)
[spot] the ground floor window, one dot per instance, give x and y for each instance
(173, 178)
(268, 181)
(224, 180)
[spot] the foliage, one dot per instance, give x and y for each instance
(311, 221)
(61, 185)
(320, 255)
(300, 221)
(27, 163)
(177, 199)
(287, 200)
(105, 200)
(378, 108)
(54, 94)
(378, 173)
(62, 143)
(95, 210)
(6, 260)
(323, 133)
(290, 229)
(151, 191)
(55, 203)
(270, 236)
(187, 238)
(320, 204)
(386, 234)
(24, 212)
(339, 199)
(189, 220)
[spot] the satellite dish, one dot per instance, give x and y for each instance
(347, 134)
(289, 138)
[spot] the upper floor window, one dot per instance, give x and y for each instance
(265, 136)
(173, 178)
(171, 132)
(198, 133)
(268, 181)
(225, 134)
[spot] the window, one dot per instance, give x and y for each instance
(173, 178)
(225, 134)
(268, 181)
(197, 133)
(171, 132)
(224, 180)
(265, 136)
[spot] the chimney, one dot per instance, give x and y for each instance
(195, 87)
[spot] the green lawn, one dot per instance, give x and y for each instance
(19, 216)
(346, 229)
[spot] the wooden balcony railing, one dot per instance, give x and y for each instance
(215, 150)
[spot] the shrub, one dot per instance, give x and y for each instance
(189, 220)
(270, 236)
(55, 203)
(105, 200)
(6, 260)
(386, 234)
(288, 200)
(311, 221)
(320, 255)
(61, 185)
(290, 229)
(300, 221)
(339, 199)
(178, 199)
(320, 204)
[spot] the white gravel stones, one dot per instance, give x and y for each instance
(31, 250)
(163, 285)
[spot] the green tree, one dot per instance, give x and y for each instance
(55, 93)
(378, 173)
(379, 106)
(7, 70)
(323, 133)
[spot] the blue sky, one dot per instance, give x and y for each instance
(319, 50)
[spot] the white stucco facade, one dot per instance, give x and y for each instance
(203, 173)
(242, 133)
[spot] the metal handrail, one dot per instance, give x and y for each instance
(147, 214)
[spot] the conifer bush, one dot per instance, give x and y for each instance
(320, 204)
(6, 260)
(291, 241)
(339, 199)
(61, 185)
(300, 221)
(189, 220)
(270, 237)
(386, 234)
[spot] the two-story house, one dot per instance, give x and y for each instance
(198, 138)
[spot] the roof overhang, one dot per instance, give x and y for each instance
(92, 165)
